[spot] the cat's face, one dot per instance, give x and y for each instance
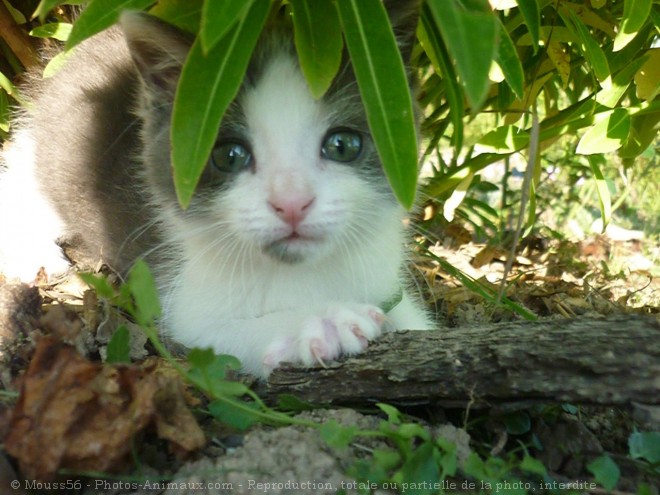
(291, 178)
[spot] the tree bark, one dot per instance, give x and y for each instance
(609, 361)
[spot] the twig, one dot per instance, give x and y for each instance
(19, 42)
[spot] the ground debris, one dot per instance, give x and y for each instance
(78, 415)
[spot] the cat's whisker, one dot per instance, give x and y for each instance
(293, 232)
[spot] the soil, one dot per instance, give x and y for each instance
(61, 325)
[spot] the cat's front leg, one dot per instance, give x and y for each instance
(337, 331)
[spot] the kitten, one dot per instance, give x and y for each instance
(293, 239)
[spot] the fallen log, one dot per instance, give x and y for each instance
(608, 361)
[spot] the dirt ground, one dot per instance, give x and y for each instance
(138, 429)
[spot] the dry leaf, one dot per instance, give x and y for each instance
(83, 416)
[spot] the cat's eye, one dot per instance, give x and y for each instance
(231, 157)
(342, 145)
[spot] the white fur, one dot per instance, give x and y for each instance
(29, 226)
(226, 292)
(231, 296)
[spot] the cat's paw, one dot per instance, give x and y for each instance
(340, 331)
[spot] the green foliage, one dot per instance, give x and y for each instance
(489, 294)
(588, 68)
(119, 346)
(384, 90)
(410, 457)
(605, 471)
(470, 35)
(585, 90)
(209, 82)
(99, 15)
(318, 42)
(645, 445)
(218, 18)
(517, 423)
(56, 30)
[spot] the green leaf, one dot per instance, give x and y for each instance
(7, 85)
(201, 358)
(505, 139)
(237, 415)
(384, 88)
(448, 459)
(393, 414)
(413, 430)
(386, 459)
(635, 14)
(336, 435)
(208, 84)
(16, 14)
(558, 34)
(421, 465)
(646, 489)
(532, 16)
(290, 402)
(184, 14)
(645, 445)
(99, 15)
(517, 423)
(56, 63)
(589, 47)
(218, 17)
(44, 7)
(143, 289)
(227, 388)
(610, 97)
(207, 368)
(647, 78)
(475, 467)
(57, 30)
(532, 465)
(457, 196)
(471, 37)
(642, 133)
(531, 207)
(318, 42)
(99, 284)
(605, 471)
(602, 189)
(508, 60)
(431, 40)
(487, 292)
(4, 112)
(119, 347)
(606, 135)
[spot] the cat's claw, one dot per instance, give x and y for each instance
(340, 331)
(318, 358)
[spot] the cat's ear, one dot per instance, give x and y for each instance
(158, 49)
(404, 17)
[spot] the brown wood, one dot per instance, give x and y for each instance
(613, 360)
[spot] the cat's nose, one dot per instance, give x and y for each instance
(292, 209)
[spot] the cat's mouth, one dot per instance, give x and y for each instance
(294, 248)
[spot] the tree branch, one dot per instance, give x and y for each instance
(613, 360)
(19, 42)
